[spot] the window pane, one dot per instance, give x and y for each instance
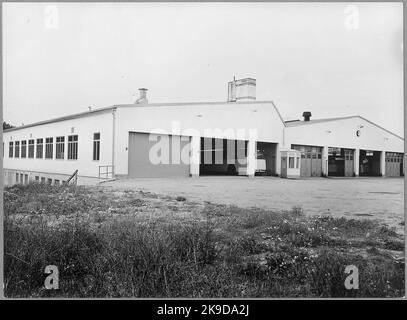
(17, 149)
(31, 148)
(49, 148)
(60, 148)
(24, 149)
(73, 147)
(10, 150)
(96, 146)
(291, 162)
(40, 147)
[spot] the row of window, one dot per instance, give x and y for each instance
(16, 151)
(309, 152)
(24, 179)
(394, 159)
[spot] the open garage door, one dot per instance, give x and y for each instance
(156, 155)
(369, 163)
(311, 160)
(229, 157)
(223, 157)
(340, 162)
(394, 164)
(266, 158)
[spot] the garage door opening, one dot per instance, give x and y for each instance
(340, 162)
(229, 157)
(311, 160)
(266, 159)
(394, 164)
(223, 157)
(369, 163)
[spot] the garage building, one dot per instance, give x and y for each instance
(240, 136)
(345, 147)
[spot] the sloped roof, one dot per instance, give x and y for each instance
(295, 123)
(91, 112)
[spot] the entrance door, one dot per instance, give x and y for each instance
(349, 166)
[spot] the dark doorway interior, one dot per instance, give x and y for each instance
(266, 159)
(340, 162)
(369, 163)
(336, 162)
(222, 157)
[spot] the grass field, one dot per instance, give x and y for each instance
(130, 243)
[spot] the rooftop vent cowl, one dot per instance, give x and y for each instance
(307, 115)
(143, 96)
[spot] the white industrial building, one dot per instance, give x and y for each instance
(241, 136)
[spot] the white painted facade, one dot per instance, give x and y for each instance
(234, 120)
(354, 132)
(84, 126)
(341, 133)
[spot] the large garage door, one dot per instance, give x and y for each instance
(152, 155)
(394, 164)
(311, 160)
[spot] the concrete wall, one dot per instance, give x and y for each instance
(9, 176)
(84, 127)
(342, 134)
(221, 119)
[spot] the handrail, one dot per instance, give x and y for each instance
(106, 174)
(73, 177)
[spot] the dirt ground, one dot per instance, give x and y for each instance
(375, 198)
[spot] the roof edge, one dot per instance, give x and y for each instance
(344, 118)
(63, 118)
(171, 104)
(375, 124)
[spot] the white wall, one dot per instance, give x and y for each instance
(342, 134)
(84, 127)
(259, 116)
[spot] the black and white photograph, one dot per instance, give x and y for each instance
(203, 150)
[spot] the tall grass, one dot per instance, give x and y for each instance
(229, 252)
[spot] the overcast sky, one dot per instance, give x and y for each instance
(330, 59)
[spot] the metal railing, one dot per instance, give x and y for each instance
(106, 172)
(73, 178)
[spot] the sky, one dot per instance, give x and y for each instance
(333, 59)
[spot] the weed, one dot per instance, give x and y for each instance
(215, 251)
